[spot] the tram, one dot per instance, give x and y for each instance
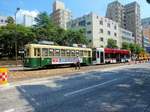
(109, 55)
(38, 55)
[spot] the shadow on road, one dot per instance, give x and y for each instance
(128, 95)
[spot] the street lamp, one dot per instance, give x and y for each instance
(16, 50)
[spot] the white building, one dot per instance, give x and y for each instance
(60, 14)
(3, 20)
(146, 42)
(98, 29)
(126, 36)
(146, 22)
(26, 17)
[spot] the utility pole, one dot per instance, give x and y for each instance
(16, 47)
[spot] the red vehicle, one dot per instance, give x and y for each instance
(109, 55)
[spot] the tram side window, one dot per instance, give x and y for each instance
(62, 52)
(36, 51)
(27, 52)
(73, 53)
(44, 51)
(77, 53)
(89, 53)
(57, 52)
(68, 52)
(51, 52)
(85, 53)
(80, 53)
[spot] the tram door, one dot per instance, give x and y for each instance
(98, 57)
(101, 57)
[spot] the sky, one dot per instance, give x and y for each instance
(78, 7)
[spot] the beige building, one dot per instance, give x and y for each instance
(128, 17)
(60, 15)
(133, 21)
(146, 27)
(98, 29)
(58, 5)
(115, 12)
(146, 32)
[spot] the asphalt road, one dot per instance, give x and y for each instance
(125, 89)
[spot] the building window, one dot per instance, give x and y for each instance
(88, 23)
(89, 32)
(2, 21)
(109, 33)
(115, 34)
(115, 27)
(101, 39)
(108, 25)
(101, 31)
(101, 22)
(82, 23)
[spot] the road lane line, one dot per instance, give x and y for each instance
(91, 87)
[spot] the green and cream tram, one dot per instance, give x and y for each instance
(38, 56)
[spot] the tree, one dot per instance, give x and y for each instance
(135, 48)
(75, 37)
(125, 45)
(112, 43)
(10, 20)
(11, 34)
(45, 29)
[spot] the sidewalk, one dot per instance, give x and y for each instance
(15, 75)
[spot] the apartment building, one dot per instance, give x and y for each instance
(133, 21)
(126, 36)
(128, 17)
(98, 29)
(115, 11)
(146, 27)
(146, 42)
(146, 22)
(60, 14)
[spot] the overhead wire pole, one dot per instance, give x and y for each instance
(16, 46)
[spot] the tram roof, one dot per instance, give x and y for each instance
(55, 46)
(121, 51)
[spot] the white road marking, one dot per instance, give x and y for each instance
(23, 90)
(10, 110)
(88, 88)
